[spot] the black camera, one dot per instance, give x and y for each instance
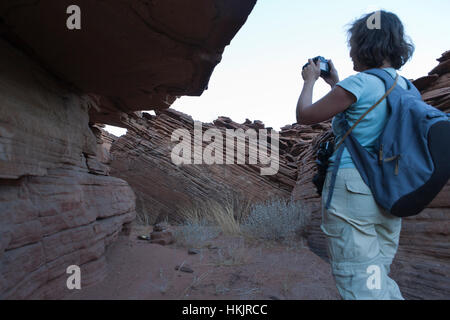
(326, 150)
(324, 66)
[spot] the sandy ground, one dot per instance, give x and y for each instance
(224, 268)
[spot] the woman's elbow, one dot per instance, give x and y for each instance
(303, 119)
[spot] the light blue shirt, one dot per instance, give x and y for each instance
(367, 89)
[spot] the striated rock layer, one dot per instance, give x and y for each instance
(305, 189)
(58, 206)
(143, 155)
(422, 264)
(435, 87)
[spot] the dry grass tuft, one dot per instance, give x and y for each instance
(277, 220)
(222, 215)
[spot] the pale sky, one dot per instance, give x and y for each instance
(259, 77)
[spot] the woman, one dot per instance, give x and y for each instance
(362, 238)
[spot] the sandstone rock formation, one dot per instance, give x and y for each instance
(422, 264)
(435, 87)
(305, 189)
(144, 155)
(133, 54)
(58, 204)
(62, 201)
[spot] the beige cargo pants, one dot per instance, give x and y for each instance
(362, 240)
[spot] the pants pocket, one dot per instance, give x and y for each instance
(360, 201)
(340, 244)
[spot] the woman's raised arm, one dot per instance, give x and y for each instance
(336, 101)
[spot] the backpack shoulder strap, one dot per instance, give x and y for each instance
(383, 75)
(388, 80)
(412, 89)
(367, 112)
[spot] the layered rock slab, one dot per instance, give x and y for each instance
(435, 87)
(134, 54)
(58, 206)
(142, 157)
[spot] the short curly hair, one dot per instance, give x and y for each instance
(372, 47)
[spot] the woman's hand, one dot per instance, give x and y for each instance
(333, 78)
(337, 101)
(312, 71)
